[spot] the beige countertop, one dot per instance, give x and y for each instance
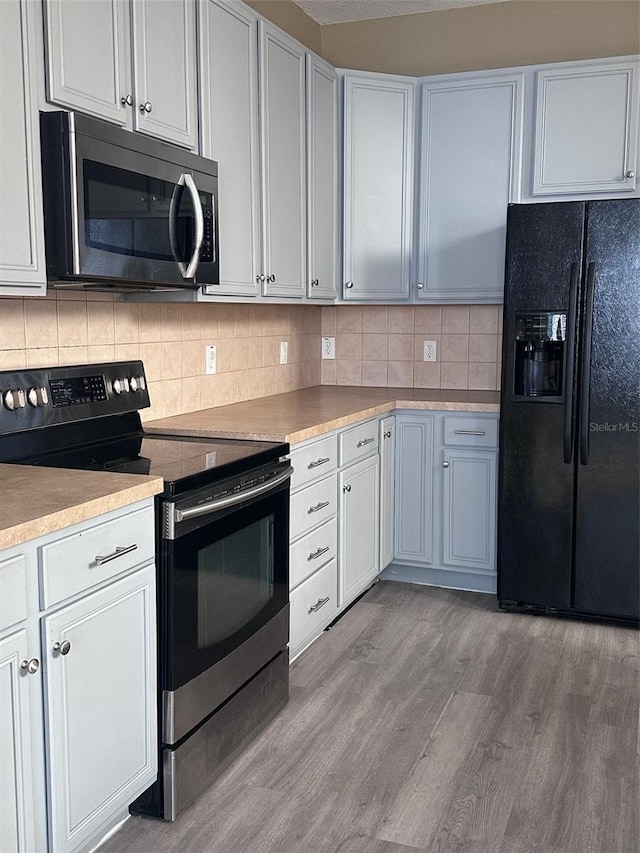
(299, 415)
(35, 501)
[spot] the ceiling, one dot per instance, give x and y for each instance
(339, 11)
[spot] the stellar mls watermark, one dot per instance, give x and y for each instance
(621, 426)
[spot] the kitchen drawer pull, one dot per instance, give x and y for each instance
(321, 461)
(119, 552)
(318, 507)
(315, 554)
(319, 603)
(365, 441)
(469, 432)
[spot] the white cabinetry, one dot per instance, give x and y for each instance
(470, 167)
(22, 268)
(387, 446)
(322, 176)
(378, 186)
(282, 123)
(130, 63)
(586, 128)
(229, 134)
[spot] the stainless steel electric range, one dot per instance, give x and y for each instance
(222, 537)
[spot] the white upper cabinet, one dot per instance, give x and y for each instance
(378, 186)
(470, 158)
(282, 122)
(586, 128)
(229, 134)
(22, 268)
(89, 63)
(322, 169)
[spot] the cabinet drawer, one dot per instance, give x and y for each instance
(13, 590)
(471, 432)
(313, 605)
(358, 441)
(312, 506)
(81, 560)
(314, 460)
(313, 551)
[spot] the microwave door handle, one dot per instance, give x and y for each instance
(199, 218)
(173, 223)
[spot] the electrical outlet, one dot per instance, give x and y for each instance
(430, 351)
(210, 358)
(328, 347)
(284, 351)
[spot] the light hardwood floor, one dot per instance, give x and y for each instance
(427, 720)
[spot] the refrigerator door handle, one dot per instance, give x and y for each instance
(570, 363)
(585, 382)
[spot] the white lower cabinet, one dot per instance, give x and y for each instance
(77, 685)
(387, 447)
(359, 514)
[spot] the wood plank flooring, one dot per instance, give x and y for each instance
(426, 720)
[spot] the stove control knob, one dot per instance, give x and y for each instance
(37, 396)
(133, 382)
(22, 399)
(125, 384)
(9, 398)
(117, 386)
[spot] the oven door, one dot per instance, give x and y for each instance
(224, 583)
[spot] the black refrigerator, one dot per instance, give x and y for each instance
(568, 506)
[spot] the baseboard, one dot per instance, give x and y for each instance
(470, 580)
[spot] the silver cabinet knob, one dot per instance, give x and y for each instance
(445, 464)
(64, 647)
(146, 107)
(127, 100)
(387, 433)
(271, 278)
(631, 173)
(260, 278)
(349, 285)
(31, 666)
(420, 285)
(346, 488)
(315, 282)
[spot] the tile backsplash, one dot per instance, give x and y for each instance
(375, 345)
(76, 328)
(380, 345)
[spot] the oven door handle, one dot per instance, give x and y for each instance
(232, 500)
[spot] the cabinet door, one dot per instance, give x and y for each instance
(282, 117)
(378, 187)
(322, 169)
(469, 511)
(414, 489)
(359, 513)
(22, 268)
(164, 70)
(88, 57)
(387, 488)
(101, 706)
(471, 136)
(17, 819)
(586, 136)
(229, 134)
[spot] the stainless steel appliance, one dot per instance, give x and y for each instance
(125, 212)
(222, 539)
(569, 507)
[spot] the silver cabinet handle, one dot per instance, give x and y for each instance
(119, 552)
(64, 647)
(146, 107)
(445, 464)
(30, 666)
(364, 442)
(127, 100)
(349, 285)
(631, 174)
(319, 603)
(469, 432)
(317, 462)
(315, 554)
(387, 433)
(318, 507)
(346, 488)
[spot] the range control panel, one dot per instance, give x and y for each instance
(40, 397)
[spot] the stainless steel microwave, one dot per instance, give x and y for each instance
(123, 211)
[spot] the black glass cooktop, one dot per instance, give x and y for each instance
(176, 459)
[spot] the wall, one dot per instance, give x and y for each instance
(289, 17)
(376, 345)
(497, 35)
(76, 328)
